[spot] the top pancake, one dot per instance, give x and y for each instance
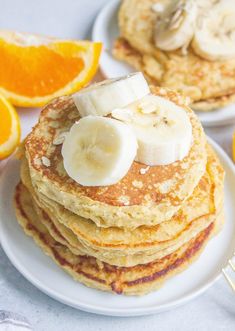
(189, 74)
(138, 198)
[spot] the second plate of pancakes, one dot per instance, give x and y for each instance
(106, 30)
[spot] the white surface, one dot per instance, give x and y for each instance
(106, 30)
(213, 310)
(43, 273)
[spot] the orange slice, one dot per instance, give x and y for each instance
(35, 69)
(9, 128)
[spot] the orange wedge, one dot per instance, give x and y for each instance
(9, 128)
(35, 69)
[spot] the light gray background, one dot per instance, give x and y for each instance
(214, 310)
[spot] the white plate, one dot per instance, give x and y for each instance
(41, 271)
(106, 30)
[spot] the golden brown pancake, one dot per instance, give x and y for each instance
(121, 247)
(129, 237)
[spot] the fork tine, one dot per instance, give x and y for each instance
(229, 280)
(231, 265)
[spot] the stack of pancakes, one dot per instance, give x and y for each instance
(128, 237)
(209, 85)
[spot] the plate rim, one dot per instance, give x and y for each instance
(109, 9)
(136, 311)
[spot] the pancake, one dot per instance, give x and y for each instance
(188, 73)
(144, 244)
(160, 192)
(201, 202)
(136, 280)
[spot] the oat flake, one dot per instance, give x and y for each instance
(144, 170)
(45, 161)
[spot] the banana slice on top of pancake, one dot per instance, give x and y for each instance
(175, 23)
(101, 98)
(98, 151)
(214, 37)
(163, 129)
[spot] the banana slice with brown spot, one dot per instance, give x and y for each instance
(163, 129)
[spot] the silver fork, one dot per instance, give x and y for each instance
(231, 264)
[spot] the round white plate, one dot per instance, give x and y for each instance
(41, 271)
(106, 30)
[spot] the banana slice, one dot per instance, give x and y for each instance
(101, 98)
(163, 129)
(214, 37)
(175, 24)
(98, 151)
